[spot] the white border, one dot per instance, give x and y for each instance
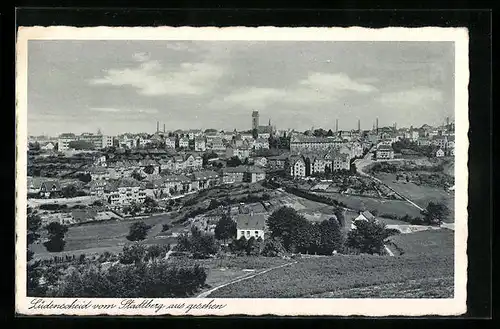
(328, 307)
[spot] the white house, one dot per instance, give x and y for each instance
(200, 144)
(48, 147)
(261, 143)
(170, 142)
(184, 142)
(365, 215)
(250, 225)
(297, 167)
(439, 153)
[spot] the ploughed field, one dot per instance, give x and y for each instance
(426, 270)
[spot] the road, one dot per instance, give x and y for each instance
(241, 278)
(362, 163)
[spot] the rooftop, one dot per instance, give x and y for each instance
(250, 222)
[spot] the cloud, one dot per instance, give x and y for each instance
(150, 78)
(123, 110)
(335, 82)
(411, 98)
(315, 88)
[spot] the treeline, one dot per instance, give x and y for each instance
(393, 168)
(433, 214)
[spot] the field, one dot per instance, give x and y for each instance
(426, 242)
(100, 237)
(419, 194)
(340, 273)
(424, 270)
(396, 207)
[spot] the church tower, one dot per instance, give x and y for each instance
(255, 120)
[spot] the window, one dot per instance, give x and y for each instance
(248, 232)
(256, 233)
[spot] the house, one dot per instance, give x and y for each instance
(277, 162)
(241, 152)
(50, 188)
(205, 179)
(451, 151)
(254, 174)
(301, 143)
(48, 147)
(297, 167)
(127, 192)
(193, 133)
(384, 152)
(232, 175)
(260, 161)
(170, 142)
(64, 140)
(176, 184)
(193, 162)
(365, 215)
(200, 144)
(184, 142)
(218, 145)
(439, 153)
(261, 143)
(250, 225)
(98, 173)
(97, 187)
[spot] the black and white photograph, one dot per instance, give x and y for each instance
(202, 171)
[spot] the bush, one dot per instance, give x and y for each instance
(138, 231)
(165, 227)
(132, 254)
(155, 280)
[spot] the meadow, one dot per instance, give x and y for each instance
(339, 273)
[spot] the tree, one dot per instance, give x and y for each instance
(368, 237)
(133, 254)
(34, 222)
(86, 178)
(330, 237)
(81, 145)
(285, 224)
(339, 214)
(434, 213)
(138, 231)
(255, 133)
(273, 248)
(329, 133)
(137, 176)
(165, 227)
(69, 191)
(225, 229)
(56, 233)
(234, 161)
(149, 169)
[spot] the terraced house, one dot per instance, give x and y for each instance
(302, 143)
(307, 164)
(126, 192)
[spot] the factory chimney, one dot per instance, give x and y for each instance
(157, 126)
(336, 125)
(376, 125)
(164, 128)
(359, 126)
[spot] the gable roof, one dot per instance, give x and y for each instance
(50, 185)
(250, 222)
(368, 215)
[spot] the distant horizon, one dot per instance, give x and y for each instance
(115, 86)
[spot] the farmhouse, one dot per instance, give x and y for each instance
(250, 225)
(365, 215)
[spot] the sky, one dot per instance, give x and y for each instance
(127, 86)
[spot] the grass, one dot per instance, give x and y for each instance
(397, 207)
(419, 194)
(436, 242)
(339, 273)
(110, 236)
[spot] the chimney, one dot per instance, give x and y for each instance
(337, 125)
(164, 128)
(447, 121)
(376, 124)
(359, 125)
(157, 126)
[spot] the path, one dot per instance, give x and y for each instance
(388, 250)
(241, 278)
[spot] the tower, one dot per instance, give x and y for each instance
(336, 125)
(255, 120)
(359, 125)
(269, 124)
(157, 126)
(164, 128)
(376, 124)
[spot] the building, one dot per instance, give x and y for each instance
(384, 152)
(365, 216)
(250, 225)
(193, 133)
(98, 173)
(440, 153)
(302, 143)
(254, 174)
(242, 174)
(218, 145)
(241, 152)
(98, 141)
(260, 161)
(48, 147)
(50, 188)
(255, 119)
(97, 187)
(170, 143)
(277, 162)
(297, 167)
(127, 192)
(261, 143)
(64, 140)
(184, 142)
(206, 179)
(200, 144)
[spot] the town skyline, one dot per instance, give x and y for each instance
(83, 86)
